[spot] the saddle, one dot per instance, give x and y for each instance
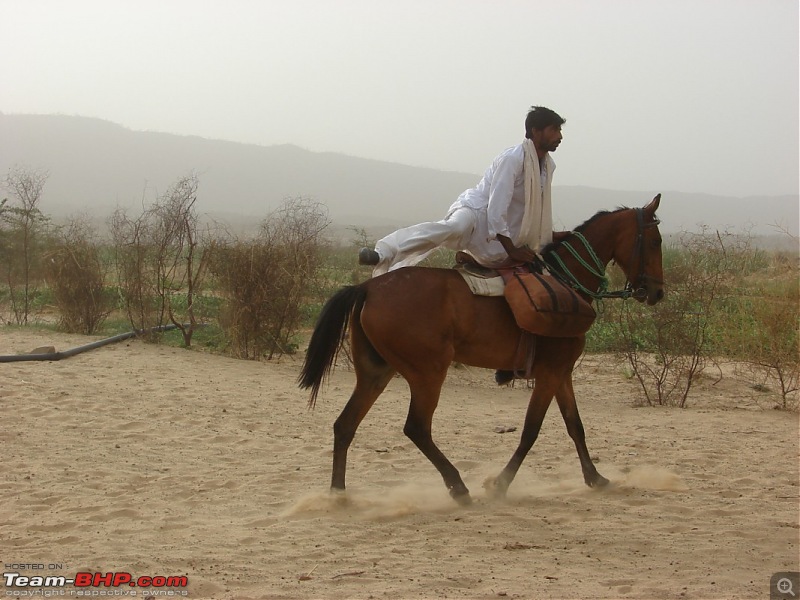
(542, 304)
(482, 281)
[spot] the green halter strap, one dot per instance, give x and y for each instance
(598, 270)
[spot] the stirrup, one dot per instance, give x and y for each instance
(502, 377)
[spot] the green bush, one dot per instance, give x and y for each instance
(267, 281)
(76, 278)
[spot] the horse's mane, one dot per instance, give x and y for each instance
(580, 228)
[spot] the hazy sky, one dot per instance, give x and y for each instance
(659, 95)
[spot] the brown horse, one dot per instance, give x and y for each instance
(417, 321)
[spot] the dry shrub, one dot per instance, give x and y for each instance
(764, 330)
(242, 269)
(134, 252)
(182, 255)
(670, 348)
(23, 231)
(76, 277)
(771, 351)
(162, 258)
(266, 280)
(667, 349)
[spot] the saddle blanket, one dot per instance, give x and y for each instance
(482, 285)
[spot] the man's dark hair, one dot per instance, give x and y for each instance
(540, 117)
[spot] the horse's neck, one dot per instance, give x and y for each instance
(600, 236)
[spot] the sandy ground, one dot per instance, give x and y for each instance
(160, 461)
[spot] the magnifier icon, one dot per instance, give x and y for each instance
(784, 586)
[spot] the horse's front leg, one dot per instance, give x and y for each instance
(418, 430)
(537, 409)
(565, 396)
(424, 399)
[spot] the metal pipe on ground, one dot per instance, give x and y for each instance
(79, 349)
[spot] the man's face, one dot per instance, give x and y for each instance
(547, 139)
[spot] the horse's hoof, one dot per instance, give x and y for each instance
(463, 499)
(494, 488)
(461, 495)
(598, 482)
(339, 496)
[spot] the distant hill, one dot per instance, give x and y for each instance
(96, 165)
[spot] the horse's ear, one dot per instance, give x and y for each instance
(651, 208)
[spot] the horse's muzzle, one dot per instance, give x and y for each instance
(653, 294)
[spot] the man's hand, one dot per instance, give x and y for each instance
(521, 254)
(560, 236)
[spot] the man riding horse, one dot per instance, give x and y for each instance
(506, 218)
(416, 322)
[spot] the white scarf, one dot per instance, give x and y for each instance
(537, 221)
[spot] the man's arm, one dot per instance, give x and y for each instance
(505, 171)
(524, 253)
(521, 254)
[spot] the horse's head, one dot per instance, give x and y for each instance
(638, 253)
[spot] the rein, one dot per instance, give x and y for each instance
(599, 269)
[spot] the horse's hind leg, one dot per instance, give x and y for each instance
(424, 399)
(565, 396)
(372, 377)
(368, 388)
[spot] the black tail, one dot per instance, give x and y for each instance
(329, 333)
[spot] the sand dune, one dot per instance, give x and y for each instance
(159, 461)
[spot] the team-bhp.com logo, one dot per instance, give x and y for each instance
(93, 584)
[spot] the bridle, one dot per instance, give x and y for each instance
(636, 289)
